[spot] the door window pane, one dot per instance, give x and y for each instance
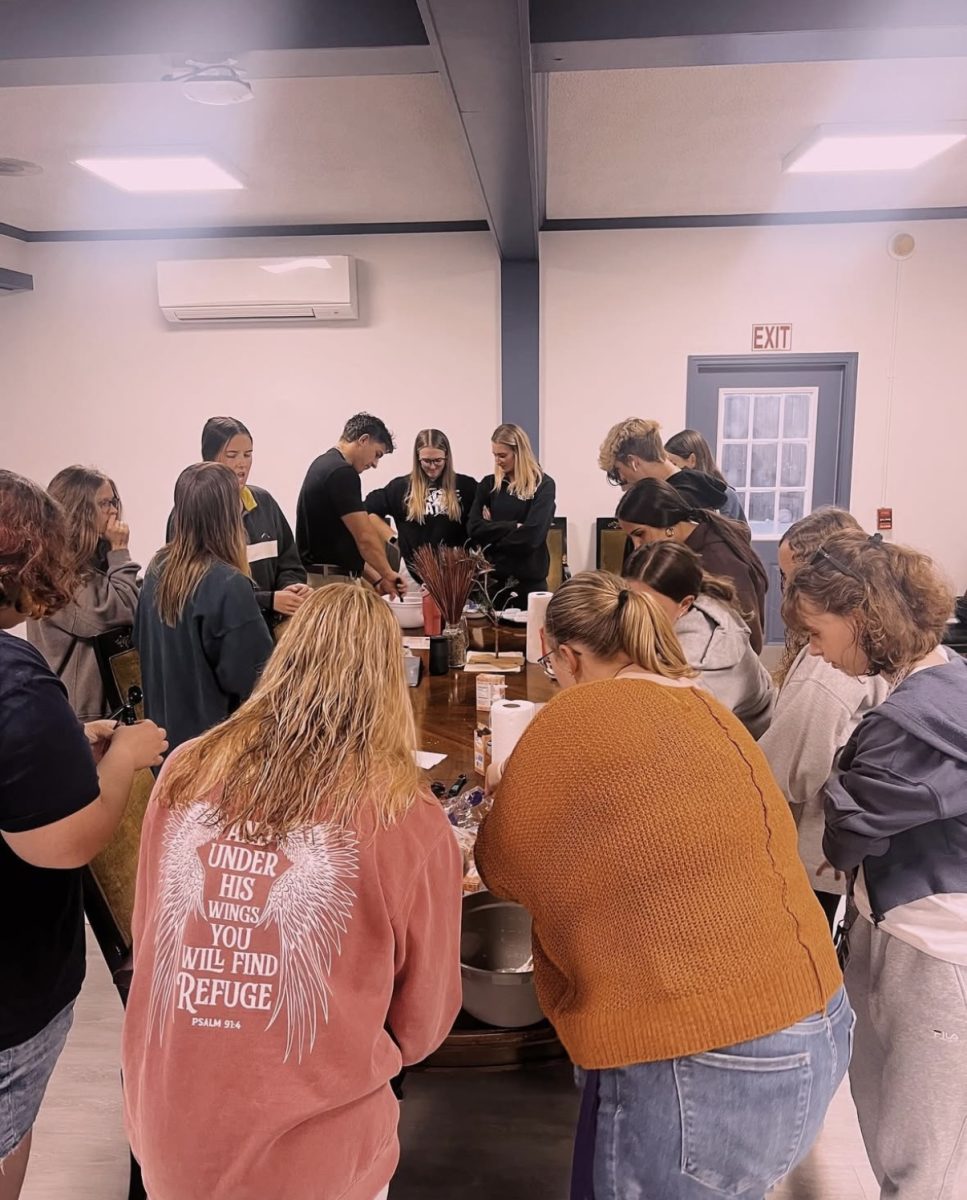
(762, 506)
(763, 465)
(795, 420)
(734, 461)
(736, 417)
(794, 455)
(766, 422)
(791, 507)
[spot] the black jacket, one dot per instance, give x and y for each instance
(197, 673)
(265, 524)
(898, 802)
(438, 529)
(519, 552)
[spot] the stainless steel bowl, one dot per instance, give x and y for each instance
(495, 942)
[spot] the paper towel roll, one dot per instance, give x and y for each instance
(537, 603)
(508, 720)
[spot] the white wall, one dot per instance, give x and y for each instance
(92, 373)
(622, 311)
(13, 254)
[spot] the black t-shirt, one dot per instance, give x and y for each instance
(47, 773)
(438, 527)
(330, 492)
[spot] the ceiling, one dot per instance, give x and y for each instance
(420, 111)
(377, 149)
(711, 139)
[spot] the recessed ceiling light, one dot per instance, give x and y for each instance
(833, 151)
(162, 173)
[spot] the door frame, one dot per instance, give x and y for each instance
(847, 363)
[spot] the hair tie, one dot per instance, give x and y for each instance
(623, 598)
(875, 539)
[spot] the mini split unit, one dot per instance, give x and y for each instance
(258, 290)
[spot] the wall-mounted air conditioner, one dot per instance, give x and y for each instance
(263, 290)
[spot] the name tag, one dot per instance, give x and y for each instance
(257, 551)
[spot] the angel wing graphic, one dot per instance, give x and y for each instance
(310, 904)
(182, 896)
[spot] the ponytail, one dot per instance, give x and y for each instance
(595, 609)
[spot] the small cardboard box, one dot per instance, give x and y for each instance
(482, 749)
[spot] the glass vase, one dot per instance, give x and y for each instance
(458, 640)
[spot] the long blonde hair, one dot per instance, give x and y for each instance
(432, 439)
(76, 488)
(207, 528)
(328, 734)
(527, 471)
(597, 610)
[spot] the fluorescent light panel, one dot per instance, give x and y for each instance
(841, 152)
(162, 173)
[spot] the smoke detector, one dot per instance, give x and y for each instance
(901, 245)
(12, 167)
(219, 83)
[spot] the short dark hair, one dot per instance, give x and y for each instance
(365, 424)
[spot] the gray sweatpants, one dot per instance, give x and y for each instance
(908, 1074)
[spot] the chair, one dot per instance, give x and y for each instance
(611, 545)
(558, 571)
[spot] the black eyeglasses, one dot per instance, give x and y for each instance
(545, 661)
(106, 505)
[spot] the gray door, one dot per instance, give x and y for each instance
(781, 428)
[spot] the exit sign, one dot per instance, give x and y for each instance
(771, 337)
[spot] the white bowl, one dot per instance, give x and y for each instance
(408, 611)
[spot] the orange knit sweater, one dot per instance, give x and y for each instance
(641, 827)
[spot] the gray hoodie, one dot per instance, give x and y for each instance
(715, 641)
(898, 805)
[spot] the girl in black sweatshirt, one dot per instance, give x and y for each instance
(512, 514)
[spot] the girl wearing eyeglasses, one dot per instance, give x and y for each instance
(816, 710)
(430, 506)
(678, 949)
(108, 593)
(896, 821)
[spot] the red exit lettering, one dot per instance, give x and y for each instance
(771, 337)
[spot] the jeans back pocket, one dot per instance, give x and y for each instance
(743, 1118)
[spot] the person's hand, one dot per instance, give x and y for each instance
(492, 780)
(117, 533)
(300, 589)
(143, 744)
(288, 600)
(392, 585)
(99, 731)
(486, 513)
(828, 866)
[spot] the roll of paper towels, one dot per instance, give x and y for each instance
(508, 720)
(537, 603)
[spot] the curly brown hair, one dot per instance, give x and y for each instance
(895, 594)
(35, 575)
(804, 537)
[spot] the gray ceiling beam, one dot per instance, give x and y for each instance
(257, 64)
(732, 49)
(483, 55)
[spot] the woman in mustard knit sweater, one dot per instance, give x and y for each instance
(678, 948)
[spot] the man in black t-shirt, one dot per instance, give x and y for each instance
(333, 532)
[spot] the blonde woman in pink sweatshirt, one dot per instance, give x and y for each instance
(296, 928)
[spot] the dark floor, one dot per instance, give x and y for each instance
(487, 1135)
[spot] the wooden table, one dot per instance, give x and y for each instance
(445, 707)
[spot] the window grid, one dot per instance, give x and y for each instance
(769, 435)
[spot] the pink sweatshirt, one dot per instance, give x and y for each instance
(255, 1052)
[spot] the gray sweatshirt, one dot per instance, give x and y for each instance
(107, 600)
(816, 712)
(715, 641)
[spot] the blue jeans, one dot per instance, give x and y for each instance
(730, 1122)
(24, 1073)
